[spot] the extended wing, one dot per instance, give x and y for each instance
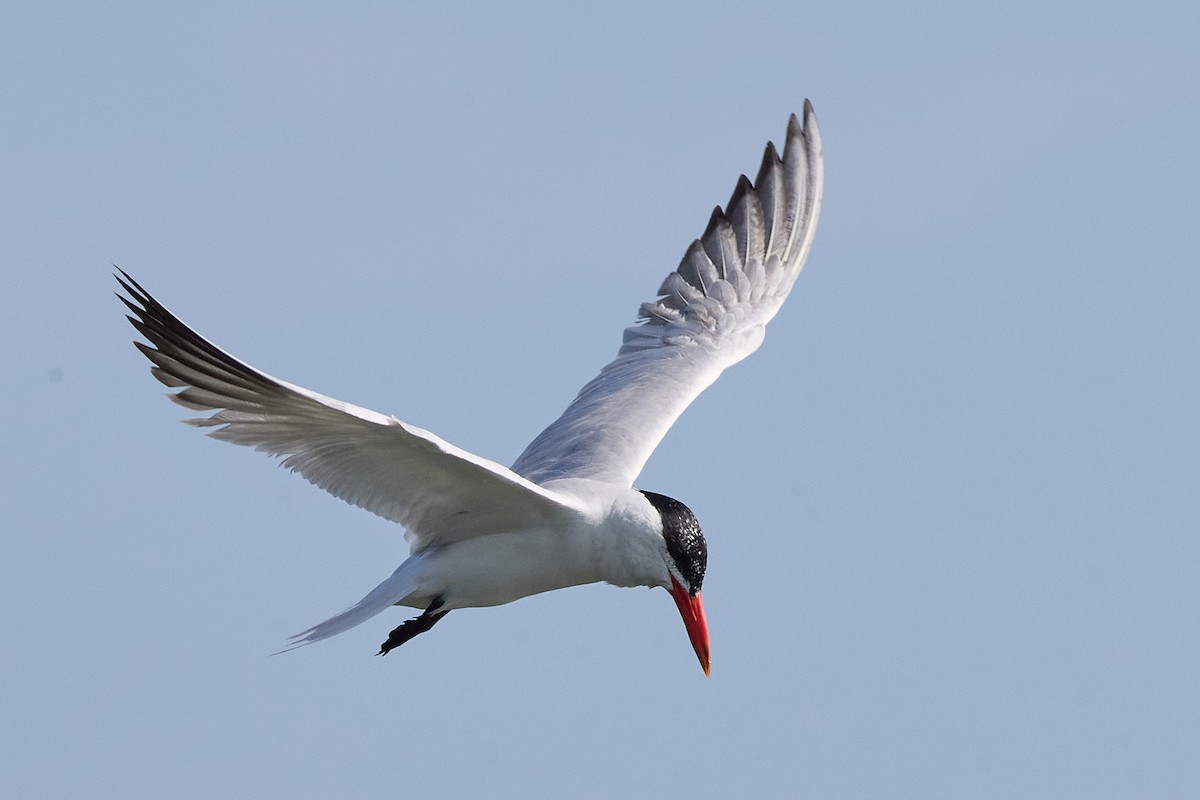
(711, 313)
(437, 491)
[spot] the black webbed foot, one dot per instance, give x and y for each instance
(410, 628)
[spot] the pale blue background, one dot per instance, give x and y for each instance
(951, 504)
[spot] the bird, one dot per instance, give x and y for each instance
(566, 512)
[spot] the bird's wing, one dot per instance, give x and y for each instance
(710, 314)
(437, 491)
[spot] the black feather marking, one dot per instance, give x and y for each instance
(685, 541)
(170, 335)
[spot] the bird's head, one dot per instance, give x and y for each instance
(685, 554)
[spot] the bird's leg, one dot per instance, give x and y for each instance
(410, 628)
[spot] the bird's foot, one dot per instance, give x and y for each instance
(410, 628)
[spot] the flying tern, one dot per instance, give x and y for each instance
(566, 512)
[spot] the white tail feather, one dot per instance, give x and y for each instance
(399, 585)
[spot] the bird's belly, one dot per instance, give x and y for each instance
(497, 569)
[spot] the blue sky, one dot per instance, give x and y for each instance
(951, 503)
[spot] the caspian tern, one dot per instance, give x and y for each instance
(565, 513)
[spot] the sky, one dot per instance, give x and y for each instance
(951, 503)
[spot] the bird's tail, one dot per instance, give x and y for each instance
(400, 584)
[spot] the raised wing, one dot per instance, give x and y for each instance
(437, 491)
(710, 314)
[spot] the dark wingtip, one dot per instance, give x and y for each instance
(770, 160)
(795, 129)
(743, 186)
(135, 291)
(713, 221)
(127, 282)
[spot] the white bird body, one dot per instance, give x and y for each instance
(611, 534)
(614, 535)
(565, 514)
